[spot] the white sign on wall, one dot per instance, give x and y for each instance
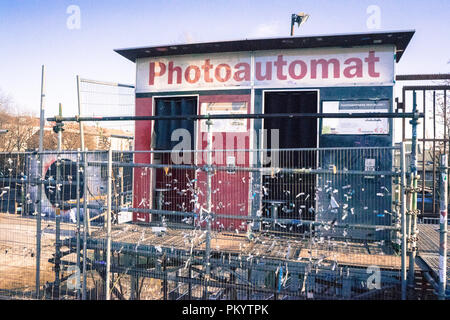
(225, 125)
(370, 65)
(369, 165)
(356, 125)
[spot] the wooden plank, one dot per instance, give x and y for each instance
(353, 254)
(354, 259)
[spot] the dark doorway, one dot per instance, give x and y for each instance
(172, 189)
(294, 133)
(288, 195)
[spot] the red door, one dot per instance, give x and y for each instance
(230, 190)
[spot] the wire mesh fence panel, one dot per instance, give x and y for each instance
(18, 229)
(99, 99)
(318, 223)
(17, 235)
(312, 224)
(82, 202)
(42, 221)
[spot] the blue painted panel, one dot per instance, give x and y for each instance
(356, 93)
(357, 193)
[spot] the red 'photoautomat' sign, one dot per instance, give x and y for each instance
(286, 68)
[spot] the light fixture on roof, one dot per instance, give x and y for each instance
(300, 19)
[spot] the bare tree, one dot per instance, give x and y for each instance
(20, 127)
(5, 107)
(70, 139)
(442, 121)
(23, 132)
(104, 142)
(49, 143)
(20, 130)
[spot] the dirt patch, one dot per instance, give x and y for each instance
(18, 254)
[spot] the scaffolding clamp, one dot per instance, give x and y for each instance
(59, 125)
(412, 189)
(415, 212)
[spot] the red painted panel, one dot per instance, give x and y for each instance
(230, 191)
(142, 189)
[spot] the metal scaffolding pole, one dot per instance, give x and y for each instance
(40, 187)
(85, 195)
(209, 205)
(403, 222)
(424, 145)
(242, 116)
(85, 230)
(108, 227)
(434, 152)
(78, 226)
(83, 148)
(42, 112)
(413, 197)
(443, 227)
(413, 77)
(79, 114)
(58, 193)
(445, 121)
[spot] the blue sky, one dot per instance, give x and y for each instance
(35, 32)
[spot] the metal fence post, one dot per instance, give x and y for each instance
(85, 225)
(209, 204)
(413, 197)
(79, 114)
(58, 191)
(78, 223)
(39, 227)
(40, 186)
(443, 227)
(85, 194)
(108, 227)
(403, 221)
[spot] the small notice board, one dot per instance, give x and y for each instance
(355, 125)
(225, 125)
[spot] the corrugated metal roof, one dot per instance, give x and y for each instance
(400, 39)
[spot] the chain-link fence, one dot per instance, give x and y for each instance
(318, 223)
(297, 223)
(99, 98)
